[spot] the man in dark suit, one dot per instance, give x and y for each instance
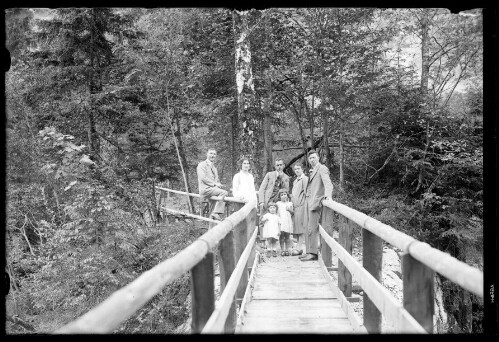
(209, 184)
(319, 187)
(271, 184)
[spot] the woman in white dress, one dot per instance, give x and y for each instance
(243, 183)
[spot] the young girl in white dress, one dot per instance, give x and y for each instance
(243, 183)
(284, 210)
(271, 229)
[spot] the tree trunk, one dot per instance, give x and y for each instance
(234, 122)
(155, 211)
(325, 140)
(94, 88)
(303, 138)
(341, 114)
(245, 87)
(287, 168)
(267, 137)
(93, 144)
(341, 157)
(425, 52)
(422, 165)
(184, 162)
(267, 115)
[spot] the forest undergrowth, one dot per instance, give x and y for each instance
(68, 286)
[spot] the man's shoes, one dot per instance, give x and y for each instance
(303, 256)
(216, 216)
(310, 257)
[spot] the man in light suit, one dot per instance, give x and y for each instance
(271, 184)
(209, 184)
(319, 188)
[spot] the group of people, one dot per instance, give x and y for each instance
(282, 214)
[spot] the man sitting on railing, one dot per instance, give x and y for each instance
(209, 184)
(319, 187)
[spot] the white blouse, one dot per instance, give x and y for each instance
(243, 186)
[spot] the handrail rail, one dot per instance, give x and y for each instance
(197, 217)
(381, 296)
(120, 305)
(215, 198)
(215, 324)
(467, 277)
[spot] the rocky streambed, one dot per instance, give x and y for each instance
(392, 280)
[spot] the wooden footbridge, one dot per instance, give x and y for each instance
(285, 295)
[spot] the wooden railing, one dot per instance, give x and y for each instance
(420, 261)
(234, 240)
(230, 237)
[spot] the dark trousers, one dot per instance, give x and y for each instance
(216, 207)
(312, 231)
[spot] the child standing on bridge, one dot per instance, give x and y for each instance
(285, 209)
(271, 229)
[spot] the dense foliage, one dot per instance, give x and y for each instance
(105, 104)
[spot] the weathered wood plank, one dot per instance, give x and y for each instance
(197, 217)
(249, 290)
(124, 302)
(379, 295)
(313, 326)
(327, 222)
(251, 223)
(300, 305)
(352, 316)
(240, 242)
(372, 260)
(295, 316)
(469, 278)
(216, 322)
(290, 296)
(227, 265)
(418, 291)
(345, 239)
(215, 198)
(202, 292)
(318, 294)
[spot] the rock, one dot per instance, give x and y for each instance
(440, 322)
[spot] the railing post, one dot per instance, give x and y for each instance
(327, 224)
(202, 292)
(372, 261)
(226, 264)
(251, 223)
(418, 281)
(240, 242)
(345, 239)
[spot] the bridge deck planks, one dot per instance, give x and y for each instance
(291, 296)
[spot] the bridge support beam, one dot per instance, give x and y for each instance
(251, 223)
(240, 242)
(227, 264)
(418, 283)
(372, 257)
(327, 223)
(202, 292)
(345, 237)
